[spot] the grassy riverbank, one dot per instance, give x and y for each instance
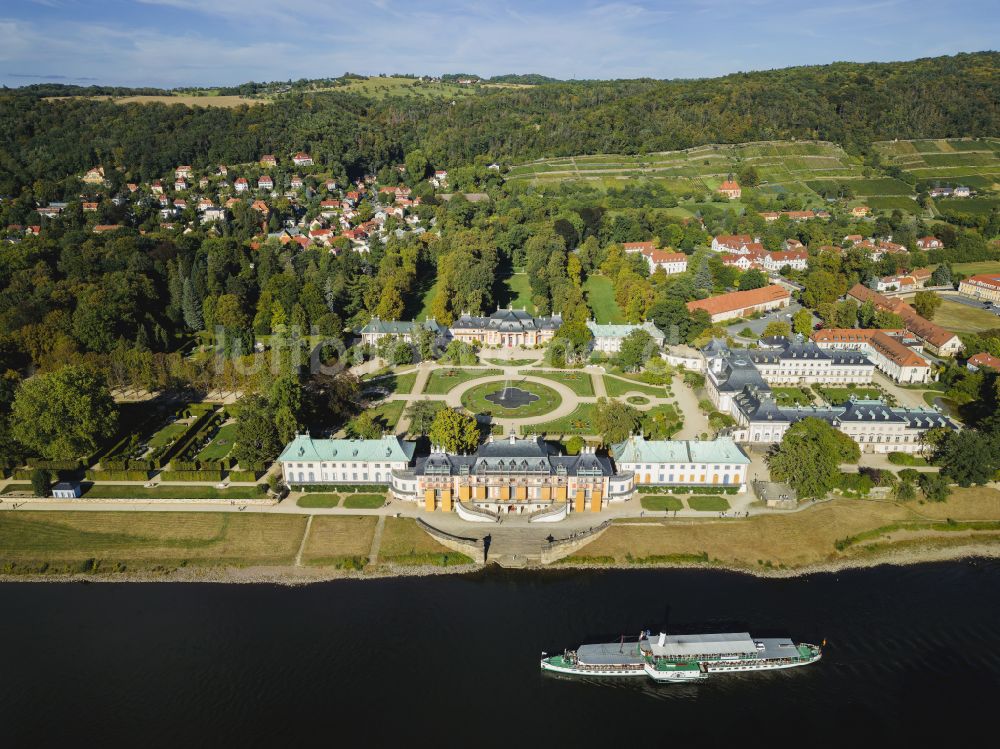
(837, 531)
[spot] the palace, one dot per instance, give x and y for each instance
(326, 461)
(608, 338)
(886, 348)
(377, 329)
(506, 328)
(683, 462)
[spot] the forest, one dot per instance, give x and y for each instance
(848, 103)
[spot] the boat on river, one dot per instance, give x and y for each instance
(680, 658)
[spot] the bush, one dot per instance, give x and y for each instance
(906, 459)
(908, 474)
(93, 475)
(191, 475)
(574, 445)
(41, 480)
(855, 485)
(243, 475)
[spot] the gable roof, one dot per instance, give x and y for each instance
(738, 300)
(390, 449)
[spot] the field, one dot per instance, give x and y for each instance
(442, 381)
(404, 543)
(339, 541)
(113, 541)
(961, 318)
(906, 205)
(951, 162)
(801, 538)
(973, 206)
(190, 101)
(601, 298)
(475, 400)
(871, 186)
(579, 382)
(973, 269)
(782, 166)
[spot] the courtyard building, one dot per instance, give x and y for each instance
(377, 329)
(742, 303)
(984, 287)
(886, 348)
(608, 338)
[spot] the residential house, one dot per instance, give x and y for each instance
(261, 207)
(302, 159)
(90, 207)
(983, 361)
(268, 160)
(94, 176)
(795, 259)
(102, 228)
(982, 287)
(213, 214)
(860, 211)
(296, 182)
(183, 172)
(736, 243)
(730, 189)
(929, 243)
(156, 188)
(961, 192)
(264, 182)
(241, 184)
(180, 184)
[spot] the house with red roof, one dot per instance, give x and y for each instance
(736, 243)
(302, 159)
(241, 184)
(936, 339)
(742, 303)
(268, 160)
(730, 188)
(860, 211)
(929, 243)
(982, 286)
(983, 361)
(183, 172)
(264, 182)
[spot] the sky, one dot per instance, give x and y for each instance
(167, 43)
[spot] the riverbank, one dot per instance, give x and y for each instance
(296, 550)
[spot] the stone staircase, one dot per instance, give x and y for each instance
(516, 547)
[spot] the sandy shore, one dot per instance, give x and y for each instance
(293, 576)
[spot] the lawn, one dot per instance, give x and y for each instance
(317, 500)
(170, 491)
(708, 503)
(659, 503)
(786, 540)
(340, 541)
(168, 434)
(388, 412)
(392, 383)
(839, 396)
(617, 388)
(580, 383)
(962, 318)
(974, 269)
(113, 541)
(405, 543)
(509, 362)
(581, 421)
(517, 291)
(221, 444)
(601, 298)
(475, 400)
(786, 396)
(364, 501)
(443, 381)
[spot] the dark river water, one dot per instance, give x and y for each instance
(912, 658)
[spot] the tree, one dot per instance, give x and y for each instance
(822, 286)
(802, 322)
(809, 457)
(941, 275)
(969, 457)
(421, 414)
(41, 480)
(934, 486)
(748, 176)
(574, 445)
(752, 279)
(926, 303)
(636, 348)
(364, 426)
(416, 165)
(455, 431)
(615, 421)
(63, 415)
(777, 329)
(191, 307)
(256, 438)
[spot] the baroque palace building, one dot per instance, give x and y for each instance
(513, 474)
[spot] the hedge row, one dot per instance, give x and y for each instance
(243, 475)
(191, 475)
(117, 475)
(196, 431)
(24, 474)
(202, 465)
(339, 488)
(662, 489)
(54, 465)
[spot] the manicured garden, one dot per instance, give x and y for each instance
(839, 396)
(708, 503)
(221, 444)
(547, 399)
(579, 382)
(580, 421)
(617, 387)
(170, 491)
(391, 383)
(364, 501)
(791, 396)
(443, 381)
(318, 500)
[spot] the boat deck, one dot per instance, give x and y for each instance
(610, 654)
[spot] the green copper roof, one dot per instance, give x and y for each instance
(304, 447)
(620, 331)
(640, 450)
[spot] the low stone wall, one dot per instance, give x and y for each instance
(471, 547)
(563, 547)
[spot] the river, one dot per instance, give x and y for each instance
(444, 661)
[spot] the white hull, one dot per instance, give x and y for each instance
(594, 671)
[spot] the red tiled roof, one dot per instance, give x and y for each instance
(739, 300)
(985, 360)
